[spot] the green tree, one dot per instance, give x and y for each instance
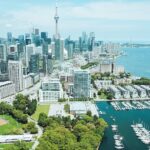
(67, 108)
(30, 127)
(43, 120)
(19, 145)
(59, 138)
(32, 105)
(80, 130)
(89, 113)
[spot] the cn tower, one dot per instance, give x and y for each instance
(56, 17)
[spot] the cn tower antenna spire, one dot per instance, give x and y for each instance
(56, 17)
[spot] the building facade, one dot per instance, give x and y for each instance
(7, 89)
(15, 73)
(51, 90)
(82, 84)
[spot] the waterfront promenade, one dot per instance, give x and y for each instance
(130, 99)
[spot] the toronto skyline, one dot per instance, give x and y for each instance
(75, 75)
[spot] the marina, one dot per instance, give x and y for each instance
(129, 105)
(120, 133)
(117, 138)
(142, 133)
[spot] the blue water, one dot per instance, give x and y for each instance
(137, 61)
(123, 119)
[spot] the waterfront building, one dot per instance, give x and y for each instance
(7, 88)
(82, 84)
(105, 68)
(116, 93)
(103, 84)
(141, 91)
(147, 88)
(125, 93)
(122, 81)
(133, 91)
(15, 73)
(51, 90)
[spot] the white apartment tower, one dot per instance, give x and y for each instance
(15, 73)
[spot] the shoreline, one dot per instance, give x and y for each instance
(114, 100)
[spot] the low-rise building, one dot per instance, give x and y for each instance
(116, 93)
(51, 90)
(133, 91)
(103, 84)
(147, 88)
(7, 88)
(141, 91)
(79, 108)
(125, 93)
(122, 81)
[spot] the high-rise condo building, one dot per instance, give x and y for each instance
(82, 84)
(15, 74)
(3, 52)
(59, 49)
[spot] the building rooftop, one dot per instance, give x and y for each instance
(5, 83)
(77, 106)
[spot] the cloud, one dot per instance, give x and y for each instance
(111, 16)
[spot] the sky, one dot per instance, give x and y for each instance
(116, 20)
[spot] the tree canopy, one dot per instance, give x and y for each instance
(82, 133)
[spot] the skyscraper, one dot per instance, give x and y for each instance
(15, 74)
(59, 49)
(82, 84)
(9, 37)
(44, 36)
(30, 50)
(3, 52)
(49, 64)
(34, 63)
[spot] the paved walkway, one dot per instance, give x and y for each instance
(40, 132)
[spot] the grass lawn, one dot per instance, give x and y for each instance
(41, 108)
(12, 127)
(103, 96)
(12, 146)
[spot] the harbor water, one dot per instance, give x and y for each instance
(123, 119)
